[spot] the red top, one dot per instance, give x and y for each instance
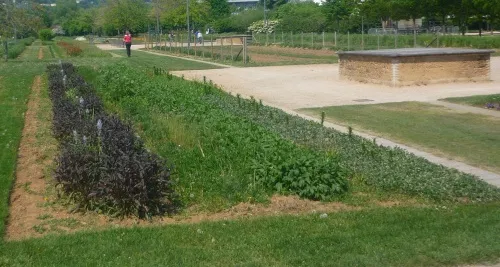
(127, 38)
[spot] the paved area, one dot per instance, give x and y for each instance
(306, 86)
(294, 87)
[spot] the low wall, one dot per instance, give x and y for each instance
(401, 67)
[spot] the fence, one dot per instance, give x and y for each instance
(222, 48)
(375, 39)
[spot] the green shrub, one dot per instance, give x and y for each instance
(45, 34)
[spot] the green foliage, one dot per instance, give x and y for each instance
(238, 22)
(45, 34)
(16, 47)
(261, 26)
(301, 17)
(219, 9)
(126, 15)
(228, 157)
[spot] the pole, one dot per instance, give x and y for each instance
(335, 39)
(362, 34)
(189, 30)
(323, 37)
(348, 42)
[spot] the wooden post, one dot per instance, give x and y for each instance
(274, 37)
(282, 37)
(302, 39)
(335, 39)
(267, 38)
(245, 50)
(231, 49)
(212, 46)
(203, 48)
(291, 37)
(221, 46)
(312, 39)
(378, 41)
(323, 37)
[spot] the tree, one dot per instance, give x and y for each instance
(124, 15)
(339, 13)
(301, 17)
(219, 9)
(175, 16)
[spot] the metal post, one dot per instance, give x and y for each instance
(189, 30)
(378, 41)
(212, 46)
(323, 37)
(312, 39)
(221, 45)
(231, 49)
(335, 39)
(244, 50)
(362, 34)
(267, 38)
(348, 42)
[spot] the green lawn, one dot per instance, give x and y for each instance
(470, 137)
(425, 236)
(477, 100)
(148, 60)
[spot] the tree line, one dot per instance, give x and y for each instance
(110, 17)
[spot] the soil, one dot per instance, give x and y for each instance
(29, 186)
(263, 58)
(290, 50)
(40, 53)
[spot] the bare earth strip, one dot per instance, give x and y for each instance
(40, 53)
(29, 185)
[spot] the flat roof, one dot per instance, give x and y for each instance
(408, 52)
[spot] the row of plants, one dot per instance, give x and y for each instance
(220, 158)
(15, 48)
(103, 165)
(71, 49)
(213, 110)
(390, 169)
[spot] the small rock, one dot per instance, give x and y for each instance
(323, 215)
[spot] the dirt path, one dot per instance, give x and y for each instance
(29, 186)
(40, 53)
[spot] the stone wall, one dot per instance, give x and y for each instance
(369, 69)
(411, 70)
(443, 68)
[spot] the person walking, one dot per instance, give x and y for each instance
(199, 36)
(127, 39)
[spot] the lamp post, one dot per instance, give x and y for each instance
(189, 31)
(265, 16)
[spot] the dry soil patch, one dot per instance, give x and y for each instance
(40, 53)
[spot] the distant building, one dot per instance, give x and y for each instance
(243, 4)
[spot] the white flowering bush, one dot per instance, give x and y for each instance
(261, 27)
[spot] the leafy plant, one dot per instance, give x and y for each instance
(103, 164)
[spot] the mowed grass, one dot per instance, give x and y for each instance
(472, 138)
(147, 60)
(476, 101)
(425, 236)
(428, 235)
(15, 86)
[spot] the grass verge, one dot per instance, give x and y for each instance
(15, 86)
(472, 138)
(379, 237)
(476, 101)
